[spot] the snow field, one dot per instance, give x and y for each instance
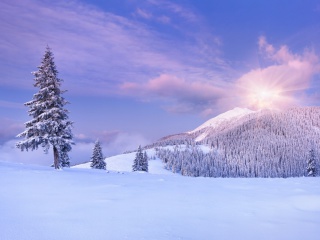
(42, 203)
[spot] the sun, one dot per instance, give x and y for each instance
(268, 88)
(262, 97)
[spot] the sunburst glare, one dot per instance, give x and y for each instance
(264, 98)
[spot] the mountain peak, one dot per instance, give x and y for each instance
(231, 114)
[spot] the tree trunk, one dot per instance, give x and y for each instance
(56, 158)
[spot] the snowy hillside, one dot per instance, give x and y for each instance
(213, 125)
(233, 114)
(248, 144)
(42, 203)
(229, 117)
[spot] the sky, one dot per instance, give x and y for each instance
(139, 70)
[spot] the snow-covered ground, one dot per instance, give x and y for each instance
(42, 203)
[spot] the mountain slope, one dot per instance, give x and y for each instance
(228, 117)
(259, 144)
(200, 133)
(233, 114)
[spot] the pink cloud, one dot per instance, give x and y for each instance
(281, 84)
(283, 55)
(284, 82)
(171, 86)
(268, 48)
(185, 96)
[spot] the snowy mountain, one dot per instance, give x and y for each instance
(228, 117)
(233, 114)
(244, 143)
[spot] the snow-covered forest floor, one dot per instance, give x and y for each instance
(42, 203)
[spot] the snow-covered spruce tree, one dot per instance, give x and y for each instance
(145, 165)
(140, 162)
(97, 159)
(311, 168)
(49, 125)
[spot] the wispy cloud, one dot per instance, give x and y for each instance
(143, 13)
(183, 12)
(8, 104)
(96, 50)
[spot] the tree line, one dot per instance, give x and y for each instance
(191, 160)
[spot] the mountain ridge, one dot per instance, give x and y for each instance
(231, 114)
(204, 129)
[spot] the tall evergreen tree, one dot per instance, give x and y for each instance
(97, 159)
(50, 125)
(311, 168)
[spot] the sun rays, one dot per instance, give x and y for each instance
(264, 98)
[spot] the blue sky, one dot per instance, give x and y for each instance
(139, 70)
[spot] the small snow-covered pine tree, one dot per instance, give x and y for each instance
(311, 168)
(145, 165)
(50, 125)
(138, 161)
(97, 159)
